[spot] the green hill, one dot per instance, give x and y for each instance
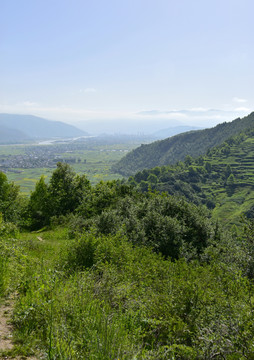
(176, 148)
(223, 179)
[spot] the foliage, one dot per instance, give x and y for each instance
(129, 275)
(167, 224)
(104, 298)
(40, 205)
(63, 194)
(8, 197)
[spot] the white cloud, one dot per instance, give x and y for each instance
(239, 100)
(243, 109)
(28, 104)
(199, 109)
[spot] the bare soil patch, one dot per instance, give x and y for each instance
(6, 329)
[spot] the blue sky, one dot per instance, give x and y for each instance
(135, 61)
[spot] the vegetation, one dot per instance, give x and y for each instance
(134, 269)
(222, 179)
(176, 148)
(121, 274)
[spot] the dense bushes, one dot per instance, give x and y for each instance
(167, 224)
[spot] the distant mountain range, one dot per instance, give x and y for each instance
(174, 130)
(176, 148)
(21, 128)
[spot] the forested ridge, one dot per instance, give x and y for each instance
(121, 270)
(176, 148)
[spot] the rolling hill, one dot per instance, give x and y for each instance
(18, 128)
(176, 148)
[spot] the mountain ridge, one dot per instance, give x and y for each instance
(176, 148)
(34, 127)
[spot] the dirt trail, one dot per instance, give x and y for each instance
(6, 309)
(5, 328)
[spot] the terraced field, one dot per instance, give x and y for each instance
(223, 179)
(236, 198)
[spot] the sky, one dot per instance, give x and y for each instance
(156, 63)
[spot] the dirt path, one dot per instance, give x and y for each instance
(5, 327)
(6, 309)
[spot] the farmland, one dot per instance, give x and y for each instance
(24, 164)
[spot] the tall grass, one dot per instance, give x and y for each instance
(70, 322)
(7, 232)
(105, 299)
(3, 275)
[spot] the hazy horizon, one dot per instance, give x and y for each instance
(127, 64)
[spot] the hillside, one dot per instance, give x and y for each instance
(176, 148)
(12, 136)
(223, 179)
(33, 127)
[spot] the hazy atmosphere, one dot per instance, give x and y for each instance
(127, 65)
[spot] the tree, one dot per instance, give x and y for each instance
(66, 189)
(208, 167)
(188, 160)
(63, 195)
(40, 208)
(8, 197)
(230, 180)
(228, 171)
(230, 184)
(152, 178)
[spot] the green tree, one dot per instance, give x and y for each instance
(230, 184)
(208, 167)
(188, 160)
(8, 197)
(230, 180)
(228, 171)
(63, 195)
(40, 206)
(66, 189)
(152, 178)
